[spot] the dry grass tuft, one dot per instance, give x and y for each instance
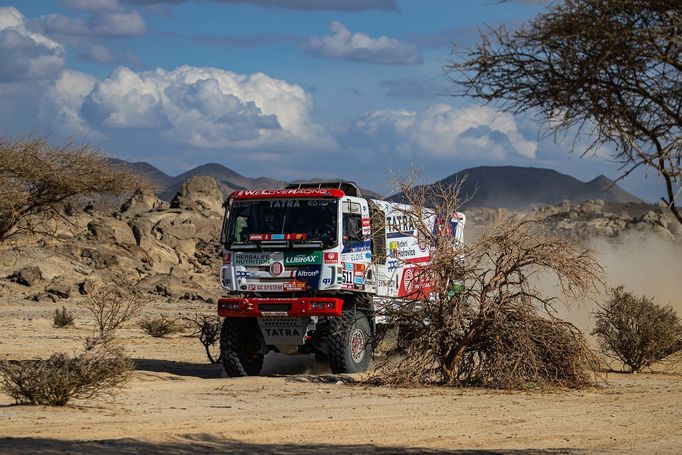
(160, 327)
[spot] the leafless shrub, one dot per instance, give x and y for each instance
(38, 180)
(478, 320)
(206, 328)
(62, 318)
(637, 331)
(111, 306)
(160, 327)
(60, 378)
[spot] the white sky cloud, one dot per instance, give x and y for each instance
(344, 44)
(441, 130)
(92, 5)
(204, 107)
(24, 54)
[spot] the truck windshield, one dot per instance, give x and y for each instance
(300, 221)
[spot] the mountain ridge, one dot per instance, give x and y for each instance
(516, 187)
(511, 187)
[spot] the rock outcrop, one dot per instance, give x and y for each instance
(199, 193)
(169, 252)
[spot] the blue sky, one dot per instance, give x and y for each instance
(282, 88)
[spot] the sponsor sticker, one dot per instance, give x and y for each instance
(294, 286)
(251, 259)
(408, 279)
(265, 287)
(331, 258)
(307, 273)
(276, 268)
(294, 259)
(227, 258)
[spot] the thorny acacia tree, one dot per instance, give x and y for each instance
(612, 68)
(37, 179)
(483, 318)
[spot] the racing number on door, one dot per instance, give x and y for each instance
(348, 277)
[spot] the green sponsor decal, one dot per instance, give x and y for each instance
(294, 259)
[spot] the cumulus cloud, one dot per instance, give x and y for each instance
(440, 131)
(346, 45)
(332, 5)
(204, 107)
(92, 5)
(98, 54)
(26, 55)
(61, 106)
(116, 23)
(102, 22)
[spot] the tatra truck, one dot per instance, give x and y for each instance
(307, 268)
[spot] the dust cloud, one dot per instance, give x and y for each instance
(644, 265)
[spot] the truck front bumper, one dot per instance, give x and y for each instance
(294, 307)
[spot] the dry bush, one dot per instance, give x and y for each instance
(62, 318)
(60, 378)
(38, 180)
(160, 327)
(481, 317)
(111, 306)
(206, 328)
(637, 331)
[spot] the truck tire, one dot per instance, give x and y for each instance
(239, 347)
(350, 342)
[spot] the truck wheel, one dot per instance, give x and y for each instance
(239, 347)
(350, 342)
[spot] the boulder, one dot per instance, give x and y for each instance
(99, 259)
(142, 201)
(200, 193)
(111, 230)
(27, 276)
(60, 287)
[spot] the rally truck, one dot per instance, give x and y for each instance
(306, 268)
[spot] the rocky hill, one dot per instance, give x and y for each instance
(167, 250)
(517, 188)
(172, 251)
(591, 219)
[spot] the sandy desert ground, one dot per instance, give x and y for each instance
(178, 404)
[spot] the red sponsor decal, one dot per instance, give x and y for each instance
(303, 192)
(276, 268)
(331, 258)
(415, 284)
(294, 285)
(365, 222)
(227, 258)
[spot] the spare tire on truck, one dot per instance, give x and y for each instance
(239, 347)
(349, 341)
